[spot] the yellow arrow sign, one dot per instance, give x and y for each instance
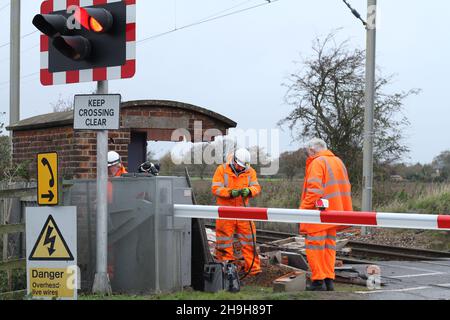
(50, 244)
(47, 170)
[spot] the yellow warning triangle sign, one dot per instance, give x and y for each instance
(50, 245)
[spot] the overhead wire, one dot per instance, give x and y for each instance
(21, 52)
(5, 6)
(205, 20)
(355, 13)
(225, 10)
(23, 77)
(22, 37)
(213, 17)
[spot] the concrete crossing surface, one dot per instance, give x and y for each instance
(423, 280)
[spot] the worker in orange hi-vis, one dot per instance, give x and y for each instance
(115, 170)
(115, 166)
(325, 178)
(233, 184)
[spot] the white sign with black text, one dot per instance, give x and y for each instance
(51, 246)
(97, 112)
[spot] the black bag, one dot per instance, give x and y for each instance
(213, 277)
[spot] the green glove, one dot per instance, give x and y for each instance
(235, 193)
(246, 192)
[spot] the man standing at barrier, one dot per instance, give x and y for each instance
(233, 184)
(325, 178)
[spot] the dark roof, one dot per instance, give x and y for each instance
(50, 120)
(61, 119)
(180, 105)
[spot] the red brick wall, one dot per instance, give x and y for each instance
(77, 150)
(158, 133)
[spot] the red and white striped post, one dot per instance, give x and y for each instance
(346, 218)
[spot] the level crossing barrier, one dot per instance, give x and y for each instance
(345, 218)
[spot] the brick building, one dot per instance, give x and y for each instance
(141, 121)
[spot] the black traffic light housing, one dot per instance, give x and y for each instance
(50, 24)
(92, 37)
(97, 19)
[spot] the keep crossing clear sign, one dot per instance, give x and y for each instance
(97, 112)
(52, 271)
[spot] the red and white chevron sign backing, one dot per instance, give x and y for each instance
(87, 75)
(346, 218)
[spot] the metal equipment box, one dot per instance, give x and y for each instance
(149, 249)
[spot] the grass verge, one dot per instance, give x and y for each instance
(343, 291)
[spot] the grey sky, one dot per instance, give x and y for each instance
(236, 65)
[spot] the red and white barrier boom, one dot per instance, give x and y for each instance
(347, 218)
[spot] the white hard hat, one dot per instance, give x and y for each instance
(242, 157)
(113, 158)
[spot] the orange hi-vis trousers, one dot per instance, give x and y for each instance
(321, 254)
(225, 231)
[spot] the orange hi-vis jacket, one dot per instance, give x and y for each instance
(225, 180)
(119, 173)
(325, 177)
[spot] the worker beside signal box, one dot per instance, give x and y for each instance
(325, 178)
(115, 166)
(115, 169)
(233, 184)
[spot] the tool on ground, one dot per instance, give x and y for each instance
(231, 279)
(221, 276)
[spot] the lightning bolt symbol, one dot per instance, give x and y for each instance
(50, 240)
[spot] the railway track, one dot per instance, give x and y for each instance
(385, 251)
(265, 236)
(364, 251)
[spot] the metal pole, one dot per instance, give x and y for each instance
(101, 280)
(14, 91)
(14, 73)
(369, 110)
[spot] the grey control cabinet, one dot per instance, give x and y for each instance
(148, 249)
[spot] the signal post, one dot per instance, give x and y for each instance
(85, 41)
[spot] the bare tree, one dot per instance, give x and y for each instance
(62, 105)
(328, 100)
(2, 124)
(9, 173)
(167, 165)
(292, 163)
(441, 164)
(151, 155)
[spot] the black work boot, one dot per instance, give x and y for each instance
(316, 285)
(329, 283)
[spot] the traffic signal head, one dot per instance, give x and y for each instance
(54, 25)
(74, 47)
(87, 38)
(95, 19)
(50, 24)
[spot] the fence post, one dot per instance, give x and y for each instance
(5, 215)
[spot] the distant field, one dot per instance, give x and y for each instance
(282, 193)
(427, 198)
